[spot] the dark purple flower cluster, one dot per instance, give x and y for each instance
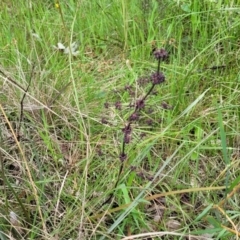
(160, 54)
(155, 79)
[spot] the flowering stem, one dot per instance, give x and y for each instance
(159, 62)
(156, 78)
(149, 91)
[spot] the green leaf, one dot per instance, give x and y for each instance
(204, 212)
(214, 222)
(186, 7)
(234, 184)
(125, 193)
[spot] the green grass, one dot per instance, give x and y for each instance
(56, 178)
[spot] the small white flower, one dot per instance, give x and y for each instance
(60, 46)
(73, 47)
(66, 50)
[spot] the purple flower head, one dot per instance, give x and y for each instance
(134, 117)
(160, 54)
(123, 157)
(157, 78)
(118, 105)
(127, 129)
(140, 104)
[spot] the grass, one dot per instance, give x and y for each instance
(181, 175)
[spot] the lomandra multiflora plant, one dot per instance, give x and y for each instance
(155, 79)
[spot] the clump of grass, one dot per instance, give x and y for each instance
(178, 169)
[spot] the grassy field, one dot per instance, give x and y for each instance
(91, 148)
